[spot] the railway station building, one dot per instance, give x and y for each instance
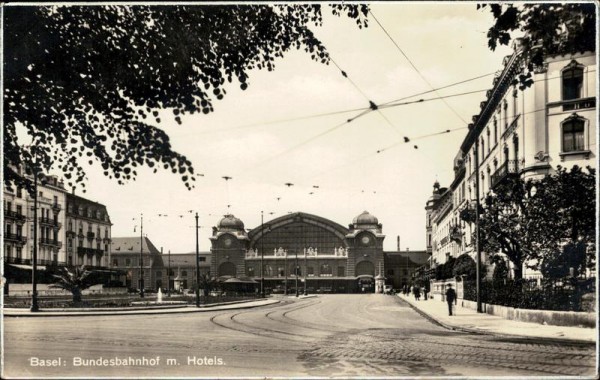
(306, 251)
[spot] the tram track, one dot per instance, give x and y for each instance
(232, 322)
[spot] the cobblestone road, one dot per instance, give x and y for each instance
(334, 335)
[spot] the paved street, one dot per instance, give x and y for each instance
(333, 335)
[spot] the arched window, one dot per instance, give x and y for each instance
(573, 130)
(572, 81)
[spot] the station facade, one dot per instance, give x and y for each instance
(307, 252)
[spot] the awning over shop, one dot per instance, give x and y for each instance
(27, 267)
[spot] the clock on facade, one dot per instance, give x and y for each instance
(365, 240)
(227, 242)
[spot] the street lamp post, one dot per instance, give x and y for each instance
(297, 294)
(141, 255)
(305, 271)
(262, 255)
(477, 234)
(285, 271)
(169, 275)
(305, 266)
(34, 298)
(197, 267)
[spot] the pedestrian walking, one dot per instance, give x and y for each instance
(450, 297)
(425, 292)
(417, 292)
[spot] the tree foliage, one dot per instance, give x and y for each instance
(207, 283)
(74, 280)
(467, 267)
(534, 221)
(564, 211)
(547, 29)
(86, 83)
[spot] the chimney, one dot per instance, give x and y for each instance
(73, 190)
(398, 242)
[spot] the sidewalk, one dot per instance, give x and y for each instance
(14, 312)
(464, 319)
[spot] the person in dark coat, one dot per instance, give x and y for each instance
(417, 292)
(450, 298)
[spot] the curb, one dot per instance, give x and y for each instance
(502, 335)
(147, 311)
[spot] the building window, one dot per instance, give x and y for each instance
(184, 273)
(19, 192)
(341, 272)
(326, 270)
(572, 81)
(573, 134)
(482, 149)
(128, 262)
(19, 252)
(281, 271)
(495, 131)
(202, 258)
(115, 263)
(310, 271)
(390, 272)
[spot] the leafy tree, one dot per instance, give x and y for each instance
(466, 266)
(74, 280)
(564, 211)
(207, 283)
(504, 227)
(86, 83)
(534, 221)
(547, 29)
(500, 272)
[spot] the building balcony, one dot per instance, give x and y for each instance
(507, 169)
(51, 242)
(71, 233)
(90, 235)
(511, 128)
(13, 215)
(17, 260)
(50, 222)
(106, 240)
(574, 104)
(15, 238)
(56, 207)
(89, 251)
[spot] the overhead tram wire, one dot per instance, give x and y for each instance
(397, 102)
(372, 105)
(307, 141)
(382, 105)
(413, 65)
(369, 155)
(280, 121)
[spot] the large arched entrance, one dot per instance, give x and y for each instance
(365, 268)
(301, 251)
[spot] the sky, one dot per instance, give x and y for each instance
(262, 139)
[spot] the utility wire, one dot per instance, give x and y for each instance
(307, 141)
(412, 64)
(382, 105)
